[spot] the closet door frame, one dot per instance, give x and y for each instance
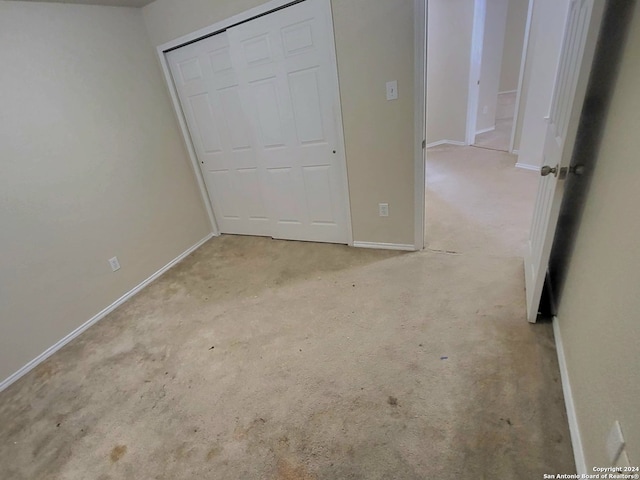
(218, 27)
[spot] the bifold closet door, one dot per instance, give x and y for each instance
(262, 106)
(221, 134)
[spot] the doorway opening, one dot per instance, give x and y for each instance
(498, 56)
(477, 201)
(499, 136)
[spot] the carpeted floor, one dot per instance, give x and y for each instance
(263, 359)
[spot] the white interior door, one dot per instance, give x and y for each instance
(289, 79)
(576, 57)
(221, 134)
(262, 105)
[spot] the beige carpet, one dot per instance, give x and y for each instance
(263, 359)
(478, 202)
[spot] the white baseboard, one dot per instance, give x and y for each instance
(526, 166)
(507, 91)
(574, 429)
(97, 317)
(486, 130)
(446, 142)
(515, 151)
(385, 246)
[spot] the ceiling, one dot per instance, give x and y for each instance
(113, 3)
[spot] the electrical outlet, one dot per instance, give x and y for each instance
(615, 442)
(392, 90)
(115, 264)
(383, 208)
(485, 110)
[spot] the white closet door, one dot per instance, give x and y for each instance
(221, 134)
(288, 75)
(262, 106)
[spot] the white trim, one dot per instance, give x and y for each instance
(477, 40)
(523, 63)
(386, 246)
(486, 130)
(420, 120)
(218, 27)
(337, 111)
(446, 142)
(507, 91)
(186, 137)
(526, 166)
(515, 152)
(97, 317)
(574, 428)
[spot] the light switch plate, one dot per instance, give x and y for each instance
(392, 90)
(383, 209)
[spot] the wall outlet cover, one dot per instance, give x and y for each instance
(115, 264)
(383, 209)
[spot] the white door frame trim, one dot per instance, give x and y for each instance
(523, 63)
(218, 27)
(420, 118)
(475, 65)
(186, 137)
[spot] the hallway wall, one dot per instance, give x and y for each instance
(514, 42)
(492, 48)
(448, 63)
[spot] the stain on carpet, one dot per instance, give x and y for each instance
(118, 452)
(290, 471)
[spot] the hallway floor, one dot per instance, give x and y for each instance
(263, 359)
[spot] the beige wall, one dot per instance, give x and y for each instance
(448, 62)
(543, 52)
(374, 44)
(92, 167)
(599, 314)
(169, 19)
(513, 44)
(492, 47)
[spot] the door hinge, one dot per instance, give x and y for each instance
(562, 174)
(424, 144)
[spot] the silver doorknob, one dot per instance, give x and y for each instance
(546, 170)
